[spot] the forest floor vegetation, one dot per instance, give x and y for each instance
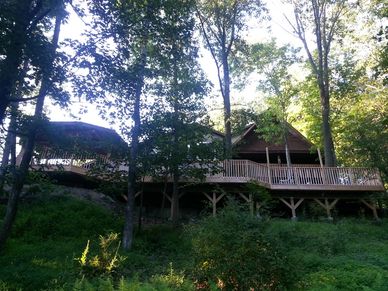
(51, 233)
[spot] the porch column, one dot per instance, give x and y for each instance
(327, 206)
(372, 206)
(214, 200)
(293, 206)
(249, 199)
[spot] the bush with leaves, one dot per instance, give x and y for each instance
(231, 251)
(107, 262)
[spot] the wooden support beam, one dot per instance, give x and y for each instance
(327, 206)
(126, 198)
(182, 194)
(292, 205)
(372, 205)
(249, 199)
(258, 206)
(214, 200)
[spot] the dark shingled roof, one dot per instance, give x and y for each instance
(74, 134)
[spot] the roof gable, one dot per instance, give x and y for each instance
(250, 142)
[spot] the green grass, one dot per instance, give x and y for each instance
(50, 232)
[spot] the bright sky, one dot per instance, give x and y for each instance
(279, 28)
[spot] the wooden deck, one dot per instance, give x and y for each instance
(299, 177)
(271, 176)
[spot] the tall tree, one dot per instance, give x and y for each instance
(131, 46)
(117, 55)
(222, 24)
(46, 70)
(22, 27)
(182, 87)
(324, 18)
(274, 64)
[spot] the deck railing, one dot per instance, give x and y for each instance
(324, 176)
(241, 171)
(81, 163)
(297, 175)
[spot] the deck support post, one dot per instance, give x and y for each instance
(258, 206)
(169, 198)
(249, 199)
(372, 206)
(214, 200)
(327, 206)
(293, 206)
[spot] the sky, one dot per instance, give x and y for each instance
(279, 27)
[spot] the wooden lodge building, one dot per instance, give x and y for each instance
(76, 148)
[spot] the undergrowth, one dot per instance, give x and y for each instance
(50, 233)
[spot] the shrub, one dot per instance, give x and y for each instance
(107, 262)
(231, 251)
(173, 280)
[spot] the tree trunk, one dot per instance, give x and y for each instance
(330, 159)
(9, 149)
(227, 109)
(21, 173)
(133, 155)
(175, 199)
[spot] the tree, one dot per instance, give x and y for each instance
(133, 49)
(46, 80)
(22, 26)
(119, 58)
(274, 63)
(222, 24)
(324, 19)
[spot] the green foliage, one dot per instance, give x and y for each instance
(348, 277)
(231, 250)
(51, 231)
(174, 280)
(61, 217)
(107, 262)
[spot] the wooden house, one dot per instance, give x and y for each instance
(254, 161)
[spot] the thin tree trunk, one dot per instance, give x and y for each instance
(175, 142)
(285, 139)
(175, 198)
(21, 173)
(164, 198)
(133, 155)
(227, 109)
(330, 159)
(9, 149)
(10, 142)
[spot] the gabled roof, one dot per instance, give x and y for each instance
(247, 129)
(250, 141)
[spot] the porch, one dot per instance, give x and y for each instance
(272, 176)
(298, 177)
